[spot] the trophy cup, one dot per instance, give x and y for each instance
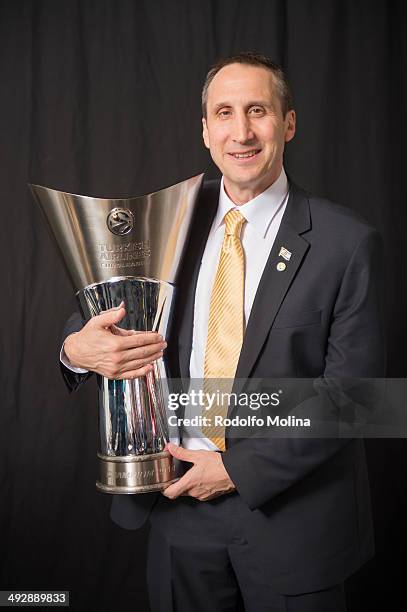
(130, 250)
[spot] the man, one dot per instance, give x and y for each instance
(278, 284)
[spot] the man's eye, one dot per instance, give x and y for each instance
(256, 110)
(224, 113)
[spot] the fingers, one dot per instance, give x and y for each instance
(137, 373)
(136, 364)
(121, 361)
(109, 317)
(183, 454)
(147, 353)
(131, 338)
(118, 331)
(137, 339)
(181, 487)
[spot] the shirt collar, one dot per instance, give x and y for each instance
(260, 211)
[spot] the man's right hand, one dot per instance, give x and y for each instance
(113, 352)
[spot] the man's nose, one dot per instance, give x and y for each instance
(242, 129)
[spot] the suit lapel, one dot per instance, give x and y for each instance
(208, 205)
(274, 284)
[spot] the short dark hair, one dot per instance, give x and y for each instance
(252, 59)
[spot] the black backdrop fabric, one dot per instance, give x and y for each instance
(103, 98)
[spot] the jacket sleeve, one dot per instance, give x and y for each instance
(262, 468)
(73, 380)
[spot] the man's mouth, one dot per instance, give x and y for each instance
(245, 154)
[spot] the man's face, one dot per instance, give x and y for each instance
(245, 129)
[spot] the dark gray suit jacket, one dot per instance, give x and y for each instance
(318, 319)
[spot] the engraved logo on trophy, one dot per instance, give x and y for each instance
(124, 255)
(120, 221)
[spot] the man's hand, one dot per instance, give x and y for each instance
(115, 353)
(205, 480)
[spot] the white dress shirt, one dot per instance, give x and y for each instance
(263, 215)
(63, 357)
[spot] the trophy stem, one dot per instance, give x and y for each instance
(133, 424)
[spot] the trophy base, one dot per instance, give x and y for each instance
(137, 473)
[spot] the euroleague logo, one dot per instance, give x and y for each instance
(120, 221)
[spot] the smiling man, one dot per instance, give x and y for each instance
(278, 284)
(246, 124)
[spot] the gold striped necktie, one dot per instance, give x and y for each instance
(226, 324)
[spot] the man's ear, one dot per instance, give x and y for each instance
(205, 134)
(290, 123)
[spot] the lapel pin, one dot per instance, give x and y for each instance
(281, 266)
(285, 253)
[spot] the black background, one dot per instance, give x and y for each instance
(103, 98)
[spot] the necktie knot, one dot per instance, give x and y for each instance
(234, 221)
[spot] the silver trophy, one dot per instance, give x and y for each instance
(130, 250)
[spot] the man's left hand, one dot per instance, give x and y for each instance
(205, 480)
